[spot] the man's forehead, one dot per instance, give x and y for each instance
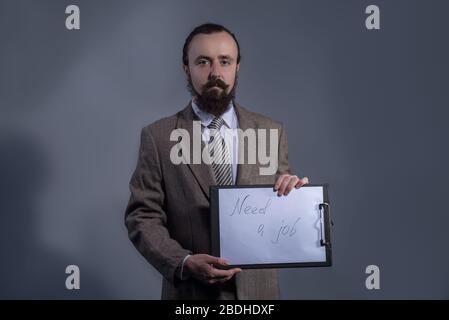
(213, 45)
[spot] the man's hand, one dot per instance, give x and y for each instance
(286, 182)
(202, 268)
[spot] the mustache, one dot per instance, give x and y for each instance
(215, 82)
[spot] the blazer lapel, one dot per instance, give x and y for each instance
(244, 170)
(203, 173)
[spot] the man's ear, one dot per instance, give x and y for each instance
(238, 67)
(186, 70)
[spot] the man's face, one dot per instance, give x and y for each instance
(212, 70)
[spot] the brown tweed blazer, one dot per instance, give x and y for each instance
(168, 211)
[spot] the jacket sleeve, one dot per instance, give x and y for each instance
(145, 215)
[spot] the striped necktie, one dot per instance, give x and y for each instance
(219, 153)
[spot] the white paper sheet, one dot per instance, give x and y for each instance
(257, 226)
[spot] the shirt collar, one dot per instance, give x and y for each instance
(229, 117)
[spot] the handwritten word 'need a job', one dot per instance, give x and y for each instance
(247, 209)
(242, 207)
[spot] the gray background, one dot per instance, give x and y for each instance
(366, 111)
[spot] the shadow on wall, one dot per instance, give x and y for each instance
(28, 270)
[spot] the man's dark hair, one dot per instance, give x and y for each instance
(206, 28)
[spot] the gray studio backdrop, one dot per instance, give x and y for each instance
(365, 111)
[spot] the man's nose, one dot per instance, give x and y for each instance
(215, 71)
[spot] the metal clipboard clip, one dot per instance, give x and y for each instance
(324, 241)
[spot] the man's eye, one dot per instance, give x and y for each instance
(225, 62)
(202, 62)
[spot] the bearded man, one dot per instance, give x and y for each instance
(168, 211)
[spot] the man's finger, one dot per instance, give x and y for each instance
(284, 184)
(223, 278)
(279, 181)
(302, 182)
(299, 184)
(293, 181)
(216, 261)
(218, 273)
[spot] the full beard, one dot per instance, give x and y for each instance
(213, 100)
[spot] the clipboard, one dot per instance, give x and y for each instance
(253, 228)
